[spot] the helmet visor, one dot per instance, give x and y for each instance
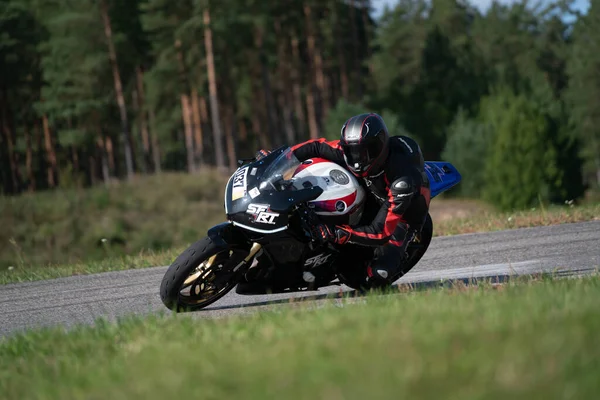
(359, 156)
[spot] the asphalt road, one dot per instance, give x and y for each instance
(570, 249)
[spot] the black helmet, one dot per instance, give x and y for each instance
(364, 141)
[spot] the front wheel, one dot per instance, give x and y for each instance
(201, 275)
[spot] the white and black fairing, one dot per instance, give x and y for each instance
(259, 196)
(267, 202)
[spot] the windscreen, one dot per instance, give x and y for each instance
(283, 167)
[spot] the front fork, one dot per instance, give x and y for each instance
(253, 251)
(226, 234)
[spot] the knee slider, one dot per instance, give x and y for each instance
(378, 278)
(403, 190)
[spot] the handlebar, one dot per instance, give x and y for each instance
(308, 219)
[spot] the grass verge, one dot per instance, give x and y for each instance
(484, 220)
(77, 226)
(145, 259)
(527, 340)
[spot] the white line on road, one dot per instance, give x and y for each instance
(489, 270)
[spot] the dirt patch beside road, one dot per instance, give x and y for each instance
(446, 209)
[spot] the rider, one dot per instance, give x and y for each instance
(392, 170)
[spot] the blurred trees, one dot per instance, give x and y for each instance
(521, 165)
(467, 147)
(95, 90)
(583, 91)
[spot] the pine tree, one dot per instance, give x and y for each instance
(584, 89)
(20, 80)
(118, 85)
(521, 166)
(467, 147)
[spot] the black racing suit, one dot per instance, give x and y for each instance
(398, 202)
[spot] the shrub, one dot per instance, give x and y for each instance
(522, 159)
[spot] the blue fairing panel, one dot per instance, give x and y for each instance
(442, 176)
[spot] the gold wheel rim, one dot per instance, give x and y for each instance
(199, 271)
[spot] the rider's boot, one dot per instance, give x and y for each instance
(388, 260)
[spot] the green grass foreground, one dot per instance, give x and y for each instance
(535, 339)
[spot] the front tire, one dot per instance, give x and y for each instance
(201, 275)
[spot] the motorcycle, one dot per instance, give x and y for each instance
(271, 205)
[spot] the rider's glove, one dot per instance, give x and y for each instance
(261, 154)
(326, 233)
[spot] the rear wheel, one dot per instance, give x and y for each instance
(201, 275)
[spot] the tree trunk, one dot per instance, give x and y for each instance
(75, 163)
(284, 105)
(112, 55)
(51, 154)
(263, 141)
(143, 121)
(5, 178)
(14, 166)
(75, 159)
(596, 150)
(203, 110)
(212, 89)
(29, 160)
(283, 95)
(198, 139)
(136, 112)
(229, 136)
(316, 65)
(155, 145)
(313, 126)
(93, 170)
(243, 131)
(259, 115)
(229, 104)
(297, 89)
(366, 6)
(186, 109)
(312, 117)
(355, 46)
(206, 127)
(341, 55)
(110, 152)
(39, 151)
(9, 138)
(266, 86)
(101, 148)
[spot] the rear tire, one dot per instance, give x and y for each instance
(188, 263)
